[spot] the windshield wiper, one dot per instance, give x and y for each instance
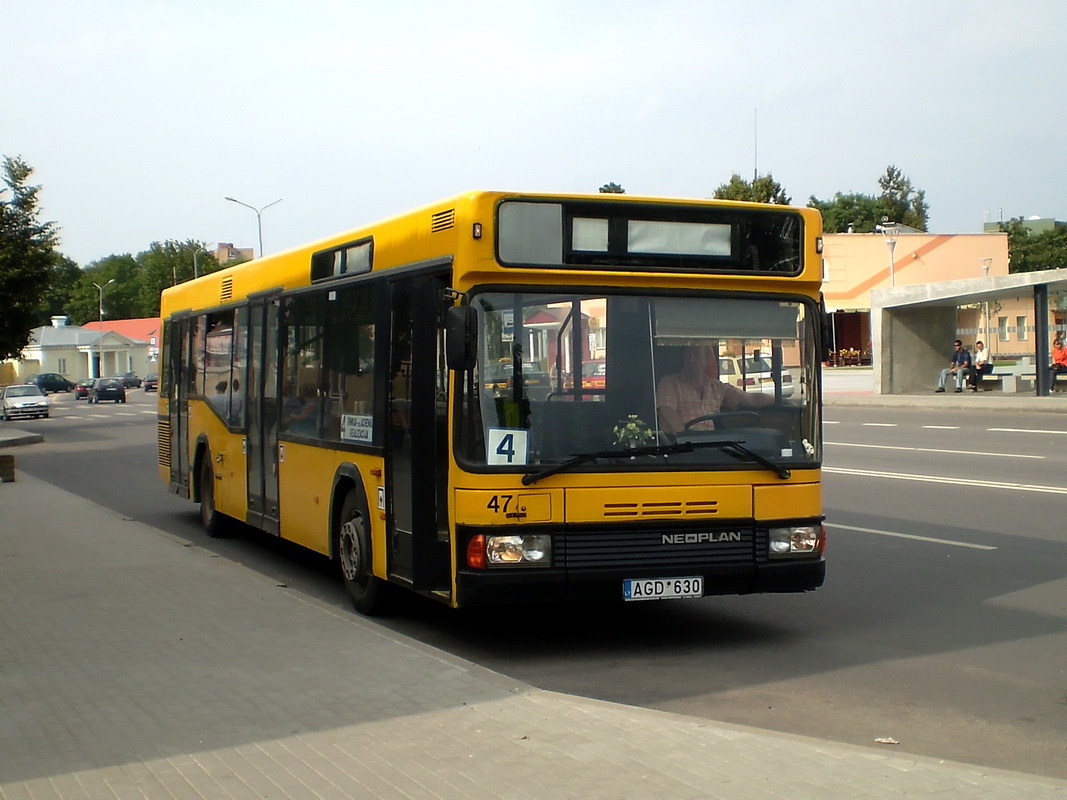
(735, 449)
(740, 452)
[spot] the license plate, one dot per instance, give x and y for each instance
(662, 588)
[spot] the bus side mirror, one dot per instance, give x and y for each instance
(827, 332)
(460, 350)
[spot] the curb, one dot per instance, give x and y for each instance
(13, 438)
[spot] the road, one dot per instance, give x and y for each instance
(942, 626)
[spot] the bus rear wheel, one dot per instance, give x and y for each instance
(368, 593)
(211, 518)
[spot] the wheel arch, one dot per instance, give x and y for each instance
(347, 478)
(200, 448)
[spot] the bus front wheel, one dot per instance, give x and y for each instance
(368, 593)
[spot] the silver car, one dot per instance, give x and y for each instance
(753, 374)
(23, 401)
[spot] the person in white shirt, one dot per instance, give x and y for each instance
(980, 362)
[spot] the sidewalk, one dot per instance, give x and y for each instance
(133, 664)
(848, 386)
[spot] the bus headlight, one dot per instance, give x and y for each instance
(525, 549)
(795, 540)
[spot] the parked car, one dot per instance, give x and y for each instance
(593, 375)
(753, 375)
(50, 382)
(107, 389)
(129, 379)
(17, 402)
(81, 388)
(151, 382)
(499, 377)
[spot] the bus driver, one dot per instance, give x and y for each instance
(697, 391)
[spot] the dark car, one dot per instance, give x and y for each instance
(81, 388)
(500, 376)
(22, 401)
(129, 379)
(50, 382)
(151, 382)
(107, 389)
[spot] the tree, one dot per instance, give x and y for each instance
(849, 213)
(1031, 252)
(612, 188)
(761, 189)
(860, 213)
(903, 203)
(26, 252)
(168, 263)
(119, 299)
(63, 276)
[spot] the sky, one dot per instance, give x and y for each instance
(140, 117)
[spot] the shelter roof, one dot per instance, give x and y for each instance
(970, 290)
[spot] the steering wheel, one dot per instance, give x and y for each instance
(722, 416)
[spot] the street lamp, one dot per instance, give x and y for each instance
(889, 233)
(259, 219)
(986, 262)
(197, 249)
(100, 330)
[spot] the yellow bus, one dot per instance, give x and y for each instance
(472, 401)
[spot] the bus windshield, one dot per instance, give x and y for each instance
(639, 382)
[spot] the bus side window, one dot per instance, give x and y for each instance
(349, 413)
(301, 409)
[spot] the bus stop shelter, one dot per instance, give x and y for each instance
(913, 327)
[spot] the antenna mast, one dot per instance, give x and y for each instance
(755, 146)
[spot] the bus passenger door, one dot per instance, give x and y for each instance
(261, 402)
(179, 383)
(417, 441)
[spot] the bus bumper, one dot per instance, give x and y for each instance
(501, 587)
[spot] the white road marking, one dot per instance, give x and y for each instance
(911, 536)
(942, 427)
(934, 450)
(879, 424)
(1026, 430)
(960, 482)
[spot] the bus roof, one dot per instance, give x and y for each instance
(401, 239)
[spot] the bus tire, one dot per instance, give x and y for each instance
(369, 594)
(211, 518)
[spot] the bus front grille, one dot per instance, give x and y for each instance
(659, 547)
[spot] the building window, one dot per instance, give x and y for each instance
(1020, 328)
(62, 366)
(1002, 328)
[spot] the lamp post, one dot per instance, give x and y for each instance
(986, 262)
(259, 218)
(100, 330)
(197, 249)
(889, 233)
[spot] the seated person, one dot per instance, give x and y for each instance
(221, 398)
(302, 417)
(1059, 362)
(697, 391)
(959, 368)
(980, 365)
